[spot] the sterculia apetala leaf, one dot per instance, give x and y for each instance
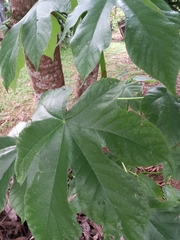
(156, 52)
(58, 139)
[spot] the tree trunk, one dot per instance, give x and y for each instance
(2, 17)
(49, 74)
(80, 88)
(19, 8)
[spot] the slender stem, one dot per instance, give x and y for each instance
(60, 16)
(131, 98)
(135, 174)
(103, 66)
(125, 169)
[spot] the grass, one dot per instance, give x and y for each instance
(68, 66)
(118, 63)
(19, 106)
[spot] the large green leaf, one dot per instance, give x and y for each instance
(143, 39)
(11, 56)
(35, 31)
(156, 52)
(57, 139)
(154, 37)
(48, 191)
(92, 35)
(162, 109)
(7, 157)
(105, 191)
(37, 28)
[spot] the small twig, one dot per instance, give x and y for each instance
(125, 169)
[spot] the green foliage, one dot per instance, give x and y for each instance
(7, 157)
(116, 15)
(160, 219)
(31, 34)
(141, 38)
(163, 109)
(58, 139)
(175, 5)
(98, 138)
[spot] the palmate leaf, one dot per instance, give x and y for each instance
(163, 109)
(145, 42)
(143, 39)
(58, 139)
(48, 147)
(7, 158)
(32, 35)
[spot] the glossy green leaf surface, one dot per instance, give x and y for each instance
(47, 196)
(164, 224)
(130, 96)
(11, 56)
(145, 41)
(16, 198)
(35, 39)
(151, 186)
(175, 155)
(172, 194)
(151, 5)
(93, 35)
(58, 139)
(34, 34)
(7, 157)
(172, 15)
(162, 109)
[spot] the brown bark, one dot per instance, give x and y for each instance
(19, 8)
(92, 77)
(1, 33)
(49, 74)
